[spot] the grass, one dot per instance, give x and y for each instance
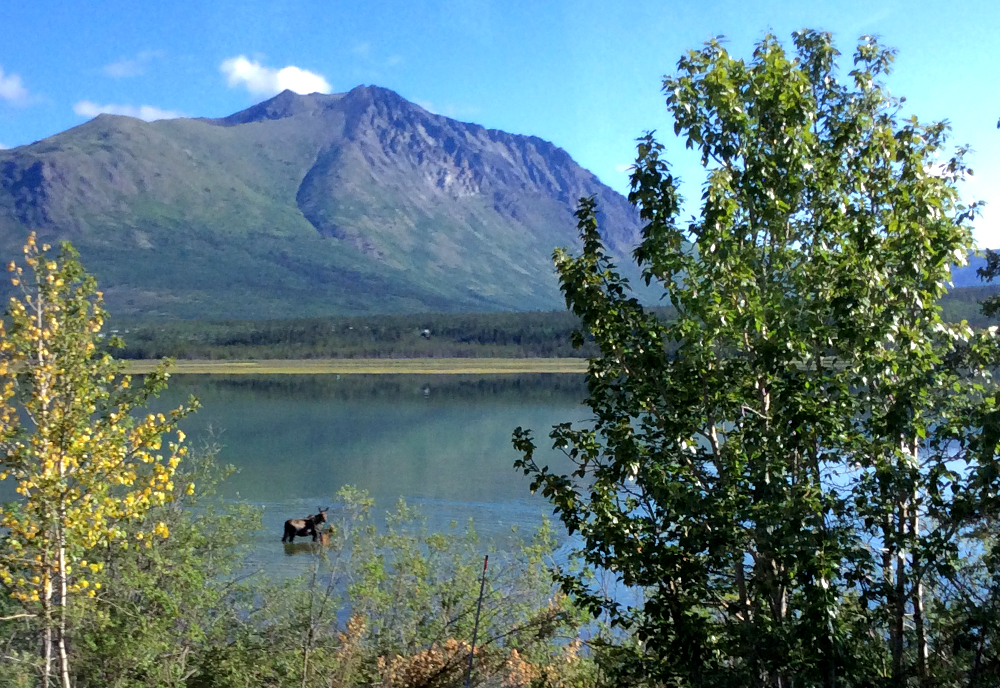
(370, 366)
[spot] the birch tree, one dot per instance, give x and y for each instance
(799, 466)
(83, 461)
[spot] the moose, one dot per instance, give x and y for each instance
(304, 526)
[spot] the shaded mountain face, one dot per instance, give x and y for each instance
(967, 275)
(351, 203)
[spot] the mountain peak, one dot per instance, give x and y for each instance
(288, 103)
(323, 203)
(361, 97)
(374, 91)
(285, 104)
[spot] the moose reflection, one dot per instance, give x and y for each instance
(304, 526)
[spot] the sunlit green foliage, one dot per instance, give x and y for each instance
(799, 470)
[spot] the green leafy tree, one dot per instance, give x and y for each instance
(799, 468)
(84, 467)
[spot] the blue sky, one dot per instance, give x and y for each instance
(583, 74)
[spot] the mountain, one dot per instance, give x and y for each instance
(967, 275)
(352, 203)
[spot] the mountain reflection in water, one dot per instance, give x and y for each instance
(441, 442)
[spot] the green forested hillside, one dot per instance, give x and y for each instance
(963, 304)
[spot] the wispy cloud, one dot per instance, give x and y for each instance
(370, 61)
(132, 66)
(866, 23)
(86, 108)
(266, 81)
(449, 110)
(12, 89)
(3, 147)
(623, 168)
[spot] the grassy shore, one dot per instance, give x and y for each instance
(369, 366)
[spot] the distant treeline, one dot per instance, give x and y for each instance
(491, 335)
(435, 335)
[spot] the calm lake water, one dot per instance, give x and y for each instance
(440, 442)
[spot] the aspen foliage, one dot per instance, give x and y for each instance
(84, 463)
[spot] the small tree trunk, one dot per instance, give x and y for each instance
(63, 658)
(42, 423)
(305, 664)
(47, 616)
(889, 580)
(918, 587)
(918, 613)
(899, 603)
(741, 586)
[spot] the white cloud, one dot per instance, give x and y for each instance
(124, 68)
(86, 108)
(267, 81)
(987, 230)
(11, 88)
(3, 147)
(132, 66)
(624, 168)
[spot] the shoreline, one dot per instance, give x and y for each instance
(366, 366)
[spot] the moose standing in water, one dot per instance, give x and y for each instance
(304, 526)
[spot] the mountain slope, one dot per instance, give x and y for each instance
(306, 205)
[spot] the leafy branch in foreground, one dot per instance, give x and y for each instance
(84, 468)
(799, 470)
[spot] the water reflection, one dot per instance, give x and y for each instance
(440, 442)
(310, 548)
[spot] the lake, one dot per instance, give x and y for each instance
(442, 442)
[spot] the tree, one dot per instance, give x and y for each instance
(83, 465)
(799, 468)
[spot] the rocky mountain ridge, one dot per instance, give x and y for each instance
(359, 202)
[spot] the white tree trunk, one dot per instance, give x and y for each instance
(47, 616)
(63, 658)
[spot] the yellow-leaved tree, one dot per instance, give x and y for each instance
(84, 462)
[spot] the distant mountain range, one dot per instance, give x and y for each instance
(353, 203)
(966, 275)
